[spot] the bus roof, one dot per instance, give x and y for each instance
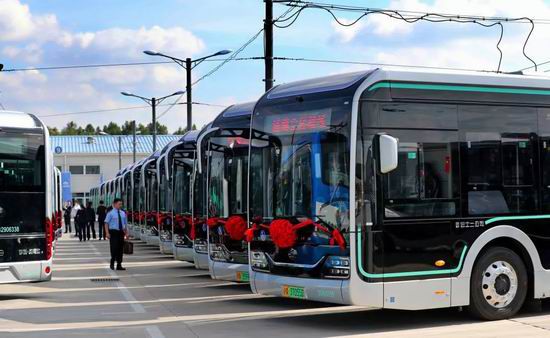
(14, 119)
(342, 81)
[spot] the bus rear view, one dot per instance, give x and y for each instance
(26, 231)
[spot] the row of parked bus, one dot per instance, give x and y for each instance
(30, 199)
(387, 188)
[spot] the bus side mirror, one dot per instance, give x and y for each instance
(388, 149)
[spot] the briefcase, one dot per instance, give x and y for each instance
(128, 248)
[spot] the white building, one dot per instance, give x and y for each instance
(93, 159)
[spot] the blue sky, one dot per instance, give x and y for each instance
(63, 32)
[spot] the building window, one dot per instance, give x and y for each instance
(76, 169)
(92, 170)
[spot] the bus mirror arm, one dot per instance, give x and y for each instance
(387, 153)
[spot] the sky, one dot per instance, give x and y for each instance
(43, 33)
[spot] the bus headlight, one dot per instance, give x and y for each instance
(165, 236)
(178, 240)
(201, 247)
(336, 267)
(218, 253)
(258, 260)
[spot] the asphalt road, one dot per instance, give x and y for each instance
(160, 297)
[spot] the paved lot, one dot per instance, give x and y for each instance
(161, 297)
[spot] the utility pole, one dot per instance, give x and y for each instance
(268, 47)
(119, 152)
(134, 140)
(154, 106)
(188, 68)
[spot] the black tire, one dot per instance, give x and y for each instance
(479, 306)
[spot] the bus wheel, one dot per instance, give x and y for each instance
(498, 285)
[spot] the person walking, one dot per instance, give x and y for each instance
(90, 218)
(67, 217)
(80, 221)
(101, 214)
(74, 211)
(116, 228)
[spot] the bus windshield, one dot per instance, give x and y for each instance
(22, 182)
(182, 185)
(299, 165)
(228, 170)
(22, 162)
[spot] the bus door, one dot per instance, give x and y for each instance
(420, 200)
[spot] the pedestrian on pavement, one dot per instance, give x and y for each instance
(81, 222)
(116, 228)
(74, 211)
(101, 214)
(90, 217)
(67, 217)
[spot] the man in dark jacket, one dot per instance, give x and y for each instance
(80, 222)
(101, 213)
(90, 220)
(67, 217)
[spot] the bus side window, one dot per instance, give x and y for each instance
(500, 163)
(423, 184)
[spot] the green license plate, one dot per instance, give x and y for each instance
(243, 276)
(293, 292)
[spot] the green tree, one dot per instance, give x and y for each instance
(53, 131)
(127, 128)
(112, 128)
(182, 130)
(89, 130)
(70, 129)
(161, 129)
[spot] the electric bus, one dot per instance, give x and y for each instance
(181, 160)
(438, 190)
(165, 197)
(200, 204)
(57, 216)
(226, 145)
(27, 199)
(138, 227)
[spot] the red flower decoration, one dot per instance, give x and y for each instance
(282, 233)
(236, 227)
(212, 222)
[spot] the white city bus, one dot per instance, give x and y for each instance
(403, 189)
(27, 198)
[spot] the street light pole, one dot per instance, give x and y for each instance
(188, 64)
(153, 102)
(154, 106)
(188, 68)
(119, 152)
(134, 141)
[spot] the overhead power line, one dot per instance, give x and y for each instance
(408, 17)
(126, 108)
(103, 65)
(231, 57)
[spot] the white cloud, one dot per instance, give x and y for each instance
(131, 42)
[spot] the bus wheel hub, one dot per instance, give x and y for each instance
(499, 284)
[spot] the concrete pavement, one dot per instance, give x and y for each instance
(160, 297)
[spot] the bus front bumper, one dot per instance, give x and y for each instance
(166, 247)
(200, 260)
(153, 240)
(229, 271)
(321, 290)
(34, 271)
(183, 253)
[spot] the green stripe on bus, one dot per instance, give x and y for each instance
(511, 218)
(459, 88)
(409, 273)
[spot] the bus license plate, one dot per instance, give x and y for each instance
(243, 276)
(294, 292)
